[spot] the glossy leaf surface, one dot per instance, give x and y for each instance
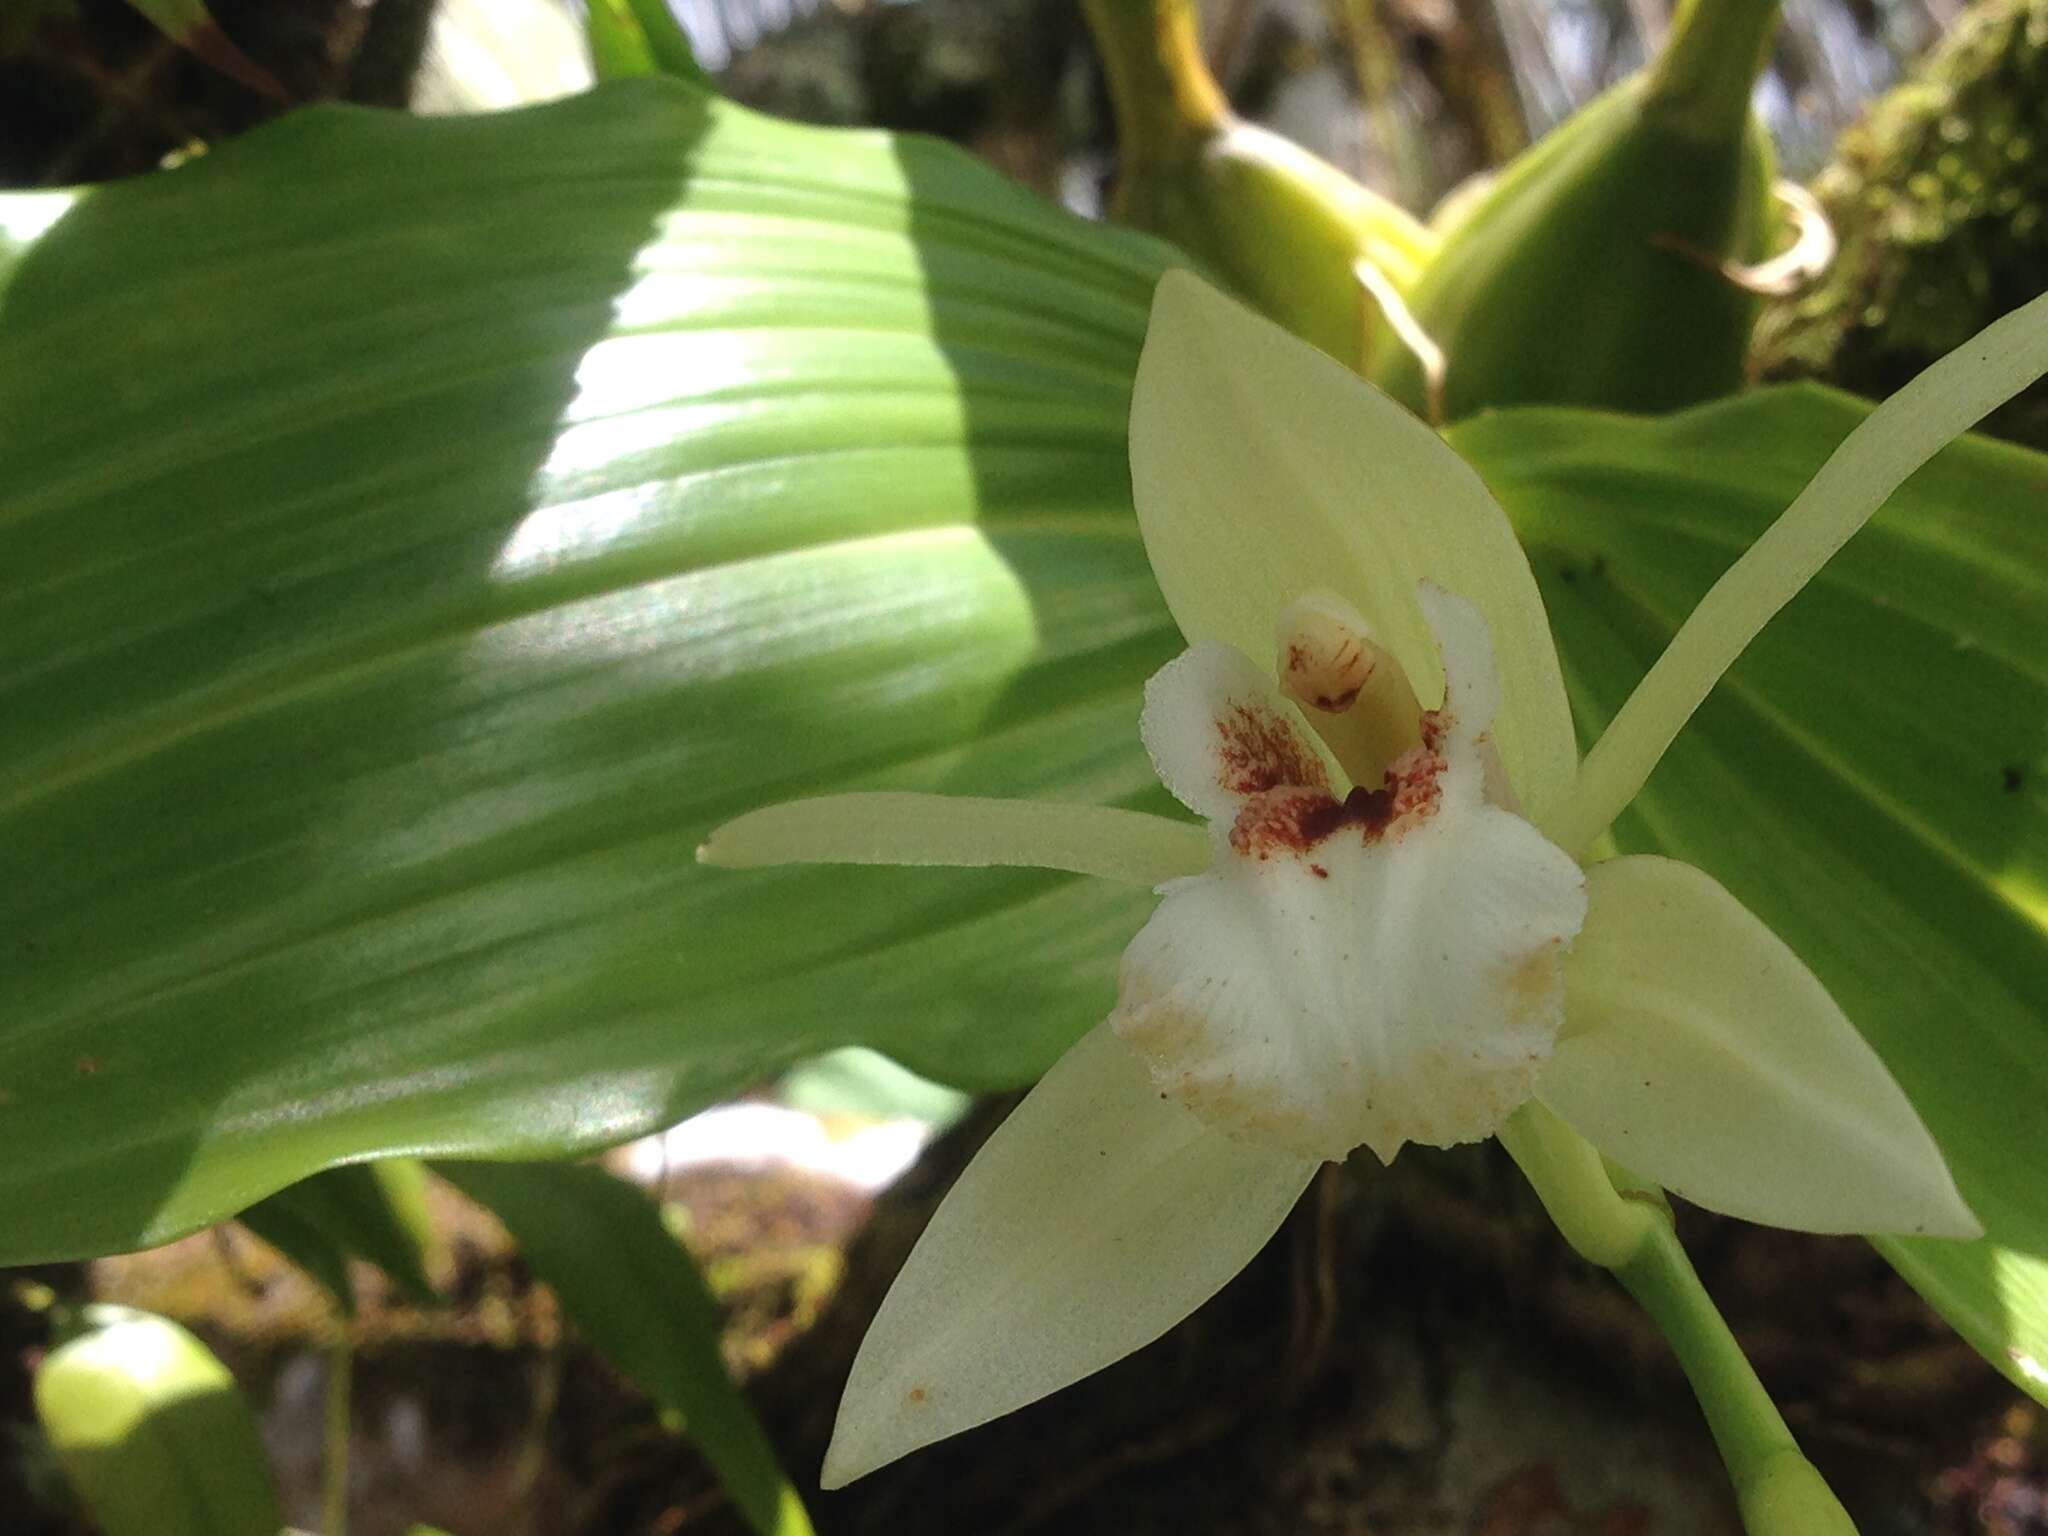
(395, 603)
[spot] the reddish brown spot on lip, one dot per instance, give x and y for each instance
(1294, 820)
(1261, 752)
(1319, 872)
(1435, 724)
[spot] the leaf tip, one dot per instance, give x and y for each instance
(212, 47)
(1925, 1202)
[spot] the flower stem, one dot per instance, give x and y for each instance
(1165, 98)
(335, 1436)
(1779, 1491)
(1603, 1226)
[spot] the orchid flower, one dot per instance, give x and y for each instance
(1387, 929)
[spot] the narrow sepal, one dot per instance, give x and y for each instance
(1937, 406)
(960, 830)
(1097, 1217)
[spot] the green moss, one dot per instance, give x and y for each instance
(1939, 195)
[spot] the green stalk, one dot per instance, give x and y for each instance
(334, 1440)
(1166, 100)
(1779, 1491)
(1699, 86)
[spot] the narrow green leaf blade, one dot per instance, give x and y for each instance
(189, 24)
(375, 1211)
(1871, 779)
(634, 1292)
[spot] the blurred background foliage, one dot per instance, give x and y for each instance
(1937, 189)
(1919, 125)
(1410, 96)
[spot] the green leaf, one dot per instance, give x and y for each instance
(861, 1082)
(315, 1252)
(637, 1296)
(371, 1211)
(396, 600)
(1870, 779)
(152, 1431)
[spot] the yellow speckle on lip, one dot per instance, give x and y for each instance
(1536, 979)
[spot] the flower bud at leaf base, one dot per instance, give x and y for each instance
(1586, 273)
(1282, 226)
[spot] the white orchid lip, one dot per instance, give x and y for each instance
(1260, 751)
(1369, 965)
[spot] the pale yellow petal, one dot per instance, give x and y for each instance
(1264, 471)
